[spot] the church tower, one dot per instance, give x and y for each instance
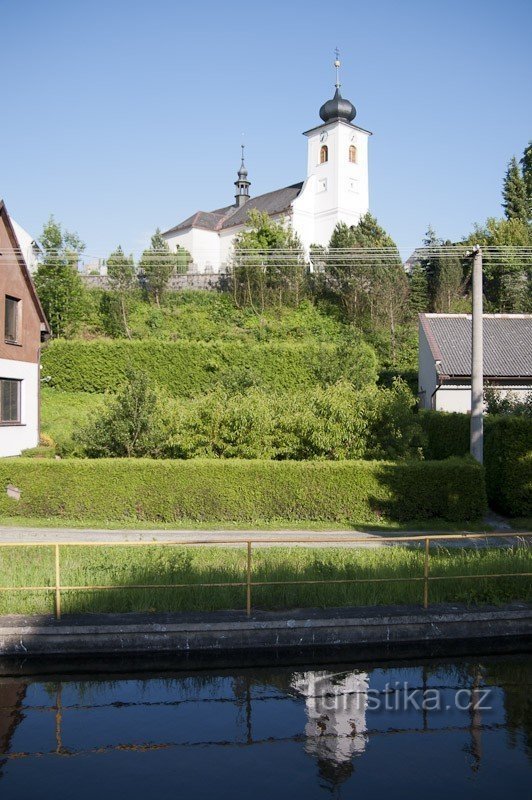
(336, 189)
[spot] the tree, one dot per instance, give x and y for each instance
(448, 279)
(157, 265)
(507, 272)
(57, 280)
(121, 278)
(516, 203)
(347, 272)
(367, 275)
(419, 289)
(443, 271)
(130, 427)
(526, 165)
(429, 264)
(268, 267)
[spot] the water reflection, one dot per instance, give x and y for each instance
(335, 732)
(291, 732)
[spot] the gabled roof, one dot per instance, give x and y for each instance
(45, 327)
(507, 344)
(276, 202)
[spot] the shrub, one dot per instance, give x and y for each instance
(244, 491)
(336, 422)
(130, 426)
(186, 368)
(508, 460)
(507, 454)
(446, 434)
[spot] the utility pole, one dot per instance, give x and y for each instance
(477, 362)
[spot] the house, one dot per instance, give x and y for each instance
(445, 358)
(336, 189)
(23, 327)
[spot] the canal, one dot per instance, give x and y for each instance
(404, 729)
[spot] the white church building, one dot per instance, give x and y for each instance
(335, 190)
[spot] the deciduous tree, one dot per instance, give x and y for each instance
(57, 280)
(121, 277)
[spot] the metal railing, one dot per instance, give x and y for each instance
(424, 540)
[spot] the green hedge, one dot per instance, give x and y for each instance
(446, 434)
(508, 460)
(244, 491)
(507, 455)
(187, 368)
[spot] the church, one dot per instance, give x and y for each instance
(335, 190)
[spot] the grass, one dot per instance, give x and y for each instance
(419, 526)
(63, 412)
(120, 566)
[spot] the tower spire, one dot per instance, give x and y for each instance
(242, 184)
(338, 107)
(337, 64)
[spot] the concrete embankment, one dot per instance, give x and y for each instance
(381, 630)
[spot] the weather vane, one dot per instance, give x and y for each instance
(337, 66)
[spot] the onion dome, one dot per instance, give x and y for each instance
(338, 108)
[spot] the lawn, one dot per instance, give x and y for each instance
(435, 525)
(121, 565)
(64, 412)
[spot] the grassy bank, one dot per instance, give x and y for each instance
(101, 523)
(121, 566)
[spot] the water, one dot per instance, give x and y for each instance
(346, 730)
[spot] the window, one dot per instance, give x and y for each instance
(9, 400)
(11, 326)
(324, 154)
(352, 154)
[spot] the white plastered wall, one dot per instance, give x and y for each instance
(15, 438)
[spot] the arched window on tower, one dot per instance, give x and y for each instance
(324, 154)
(352, 154)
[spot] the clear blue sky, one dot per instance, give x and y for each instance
(99, 97)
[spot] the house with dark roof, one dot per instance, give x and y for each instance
(445, 358)
(23, 327)
(336, 189)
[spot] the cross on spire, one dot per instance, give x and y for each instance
(337, 66)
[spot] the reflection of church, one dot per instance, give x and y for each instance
(336, 719)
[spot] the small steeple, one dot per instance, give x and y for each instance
(242, 184)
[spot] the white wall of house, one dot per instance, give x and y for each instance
(457, 398)
(427, 375)
(16, 438)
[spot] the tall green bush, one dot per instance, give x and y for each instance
(507, 454)
(187, 368)
(508, 460)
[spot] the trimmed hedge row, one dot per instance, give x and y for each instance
(244, 490)
(507, 455)
(508, 460)
(186, 368)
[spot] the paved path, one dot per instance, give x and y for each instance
(347, 538)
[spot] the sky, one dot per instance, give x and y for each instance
(120, 116)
